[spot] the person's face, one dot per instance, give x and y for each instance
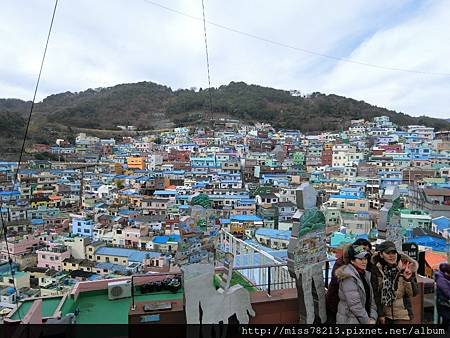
(390, 257)
(360, 263)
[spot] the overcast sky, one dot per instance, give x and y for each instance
(101, 43)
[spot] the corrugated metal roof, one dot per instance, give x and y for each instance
(272, 233)
(132, 255)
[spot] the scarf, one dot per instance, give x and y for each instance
(387, 291)
(367, 304)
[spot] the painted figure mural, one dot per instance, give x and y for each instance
(306, 256)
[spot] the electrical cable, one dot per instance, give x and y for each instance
(207, 61)
(15, 177)
(299, 49)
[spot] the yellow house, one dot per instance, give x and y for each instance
(39, 202)
(71, 264)
(136, 162)
(237, 229)
(348, 203)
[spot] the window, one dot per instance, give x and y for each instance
(98, 257)
(43, 256)
(86, 231)
(116, 259)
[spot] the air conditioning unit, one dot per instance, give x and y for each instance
(120, 289)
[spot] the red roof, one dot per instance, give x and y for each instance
(434, 259)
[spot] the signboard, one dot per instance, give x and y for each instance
(150, 318)
(411, 249)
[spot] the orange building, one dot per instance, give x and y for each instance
(136, 162)
(432, 262)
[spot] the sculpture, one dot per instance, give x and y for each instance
(306, 255)
(389, 223)
(216, 305)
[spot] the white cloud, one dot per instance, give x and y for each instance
(417, 44)
(105, 42)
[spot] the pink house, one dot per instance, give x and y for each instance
(132, 235)
(53, 257)
(18, 246)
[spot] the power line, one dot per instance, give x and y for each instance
(207, 61)
(299, 49)
(15, 177)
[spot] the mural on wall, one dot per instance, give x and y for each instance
(307, 245)
(389, 221)
(197, 257)
(306, 258)
(216, 305)
(199, 233)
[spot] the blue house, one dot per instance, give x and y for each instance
(441, 226)
(203, 162)
(82, 226)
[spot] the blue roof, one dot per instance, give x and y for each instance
(442, 222)
(165, 192)
(37, 221)
(132, 255)
(345, 196)
(436, 244)
(272, 233)
(165, 238)
(246, 218)
(175, 172)
(9, 193)
(121, 176)
(351, 188)
(128, 212)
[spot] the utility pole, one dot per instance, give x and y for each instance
(80, 206)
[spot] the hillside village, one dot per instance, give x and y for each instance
(109, 208)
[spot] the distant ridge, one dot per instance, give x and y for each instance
(148, 106)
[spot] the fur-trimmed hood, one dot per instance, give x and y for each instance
(346, 271)
(376, 258)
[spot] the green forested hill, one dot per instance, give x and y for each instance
(152, 106)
